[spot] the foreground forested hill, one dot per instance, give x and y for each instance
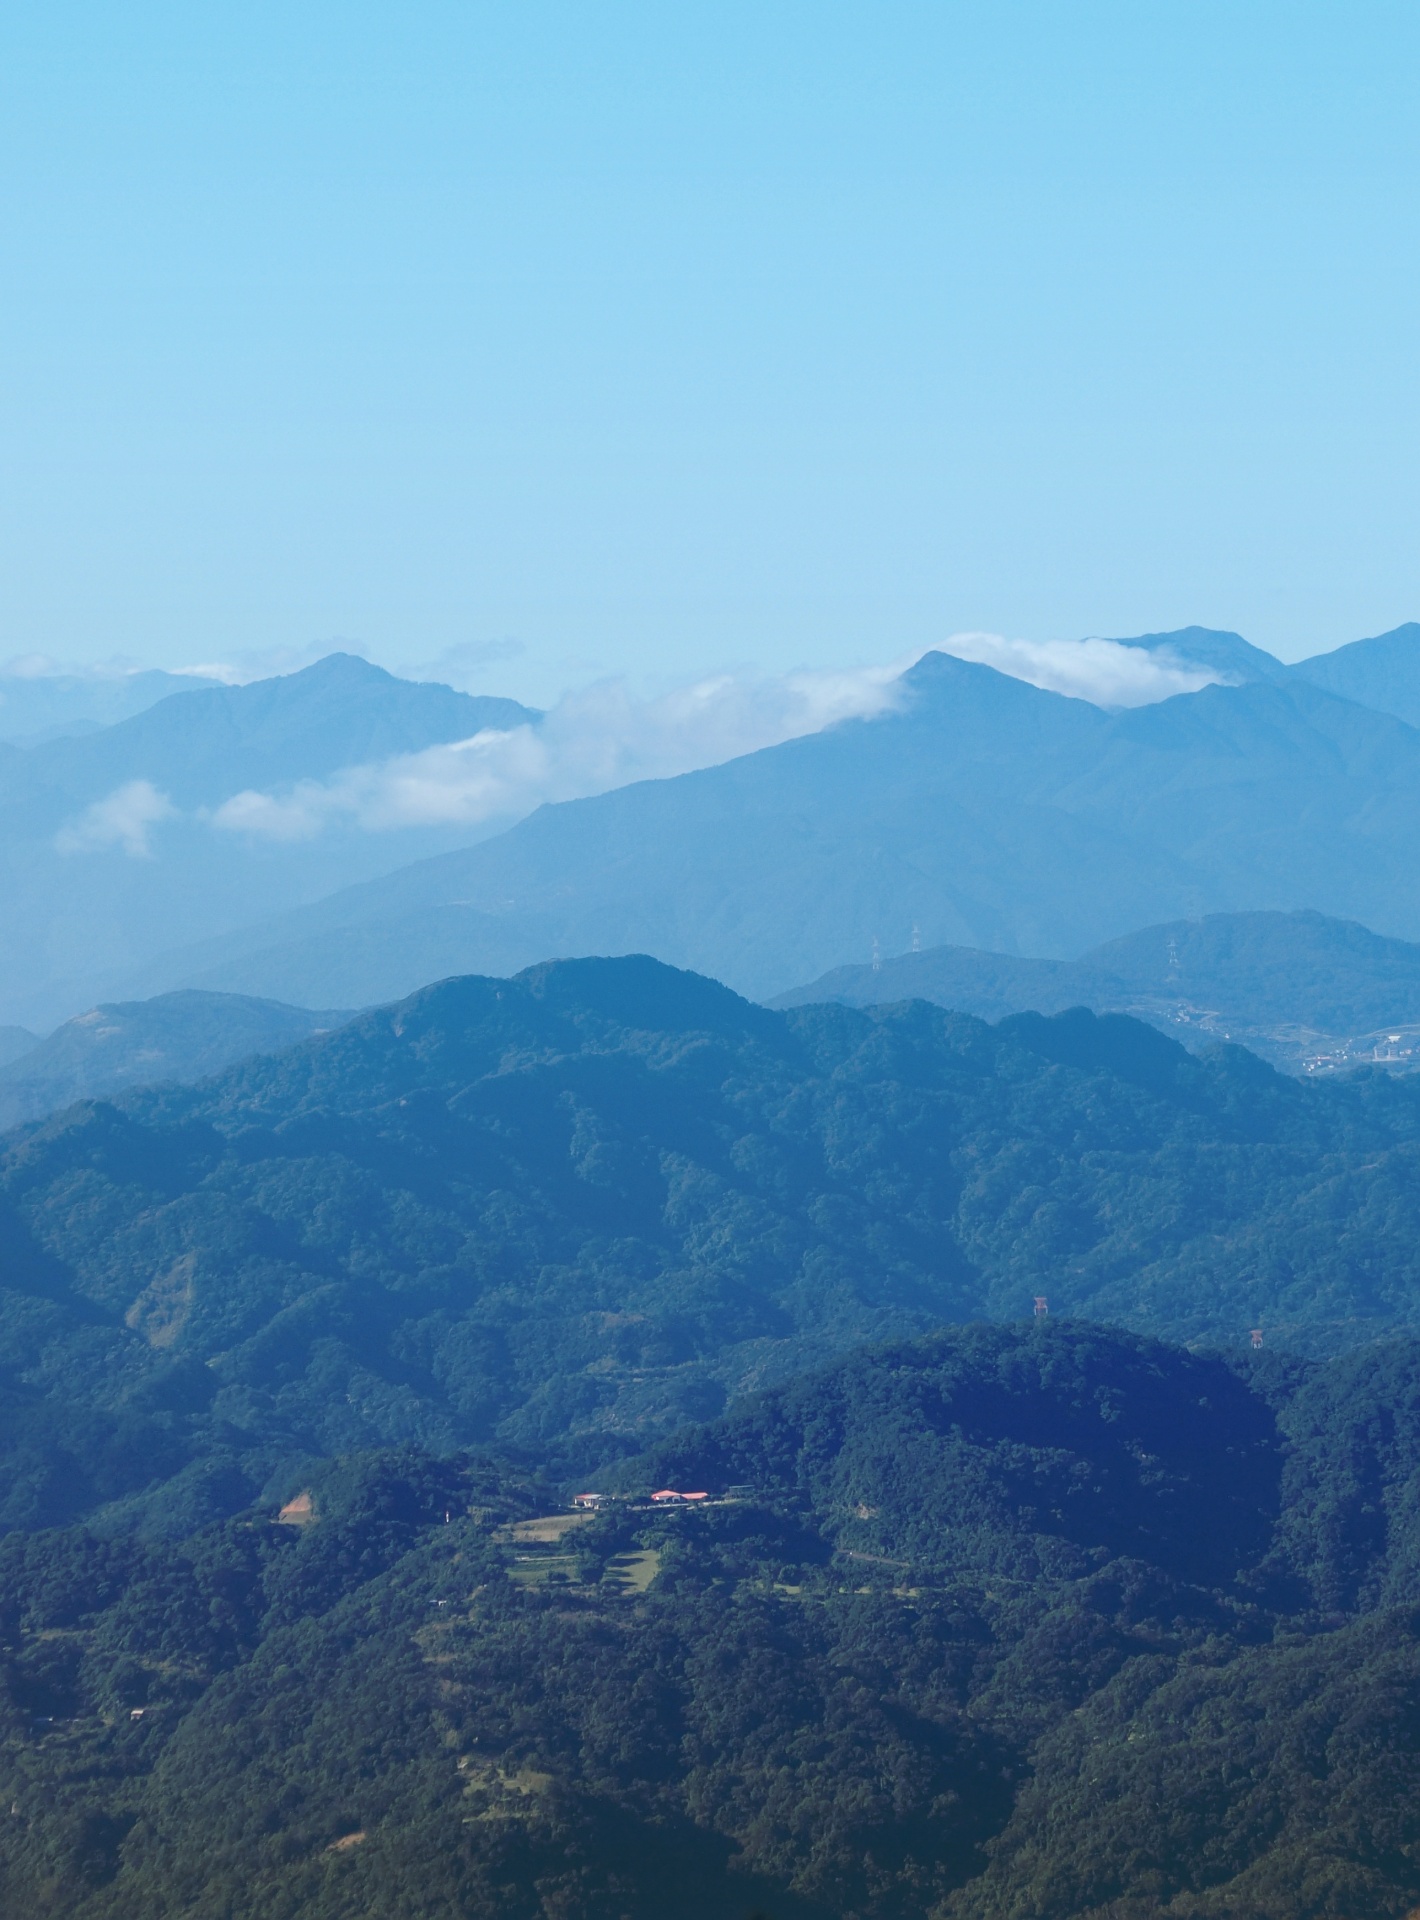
(569, 1212)
(1044, 1620)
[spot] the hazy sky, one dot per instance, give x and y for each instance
(655, 338)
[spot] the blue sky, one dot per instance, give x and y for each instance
(589, 339)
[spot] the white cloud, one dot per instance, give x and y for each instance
(123, 819)
(602, 737)
(1105, 672)
(606, 736)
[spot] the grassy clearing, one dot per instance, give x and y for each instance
(634, 1572)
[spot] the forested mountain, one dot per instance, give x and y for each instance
(109, 849)
(1383, 672)
(571, 1211)
(1307, 993)
(982, 812)
(177, 1036)
(1042, 1619)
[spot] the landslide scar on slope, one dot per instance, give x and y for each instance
(160, 1312)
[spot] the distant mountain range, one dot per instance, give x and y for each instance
(984, 812)
(108, 853)
(177, 1037)
(1383, 673)
(304, 1364)
(37, 705)
(1307, 993)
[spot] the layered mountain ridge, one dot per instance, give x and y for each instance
(571, 1210)
(110, 849)
(179, 1037)
(983, 812)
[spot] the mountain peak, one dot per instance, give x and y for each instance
(351, 669)
(1382, 672)
(1215, 648)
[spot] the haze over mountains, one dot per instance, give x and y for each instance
(40, 703)
(178, 1037)
(982, 811)
(195, 844)
(112, 849)
(303, 1364)
(1378, 673)
(1309, 994)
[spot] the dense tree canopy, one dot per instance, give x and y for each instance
(963, 1643)
(569, 1213)
(1011, 1616)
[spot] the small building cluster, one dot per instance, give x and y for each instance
(663, 1497)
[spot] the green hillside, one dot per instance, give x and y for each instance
(1043, 1620)
(570, 1212)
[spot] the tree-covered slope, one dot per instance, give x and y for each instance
(573, 1210)
(1038, 1620)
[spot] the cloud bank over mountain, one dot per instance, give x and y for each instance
(601, 737)
(1107, 673)
(607, 736)
(216, 815)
